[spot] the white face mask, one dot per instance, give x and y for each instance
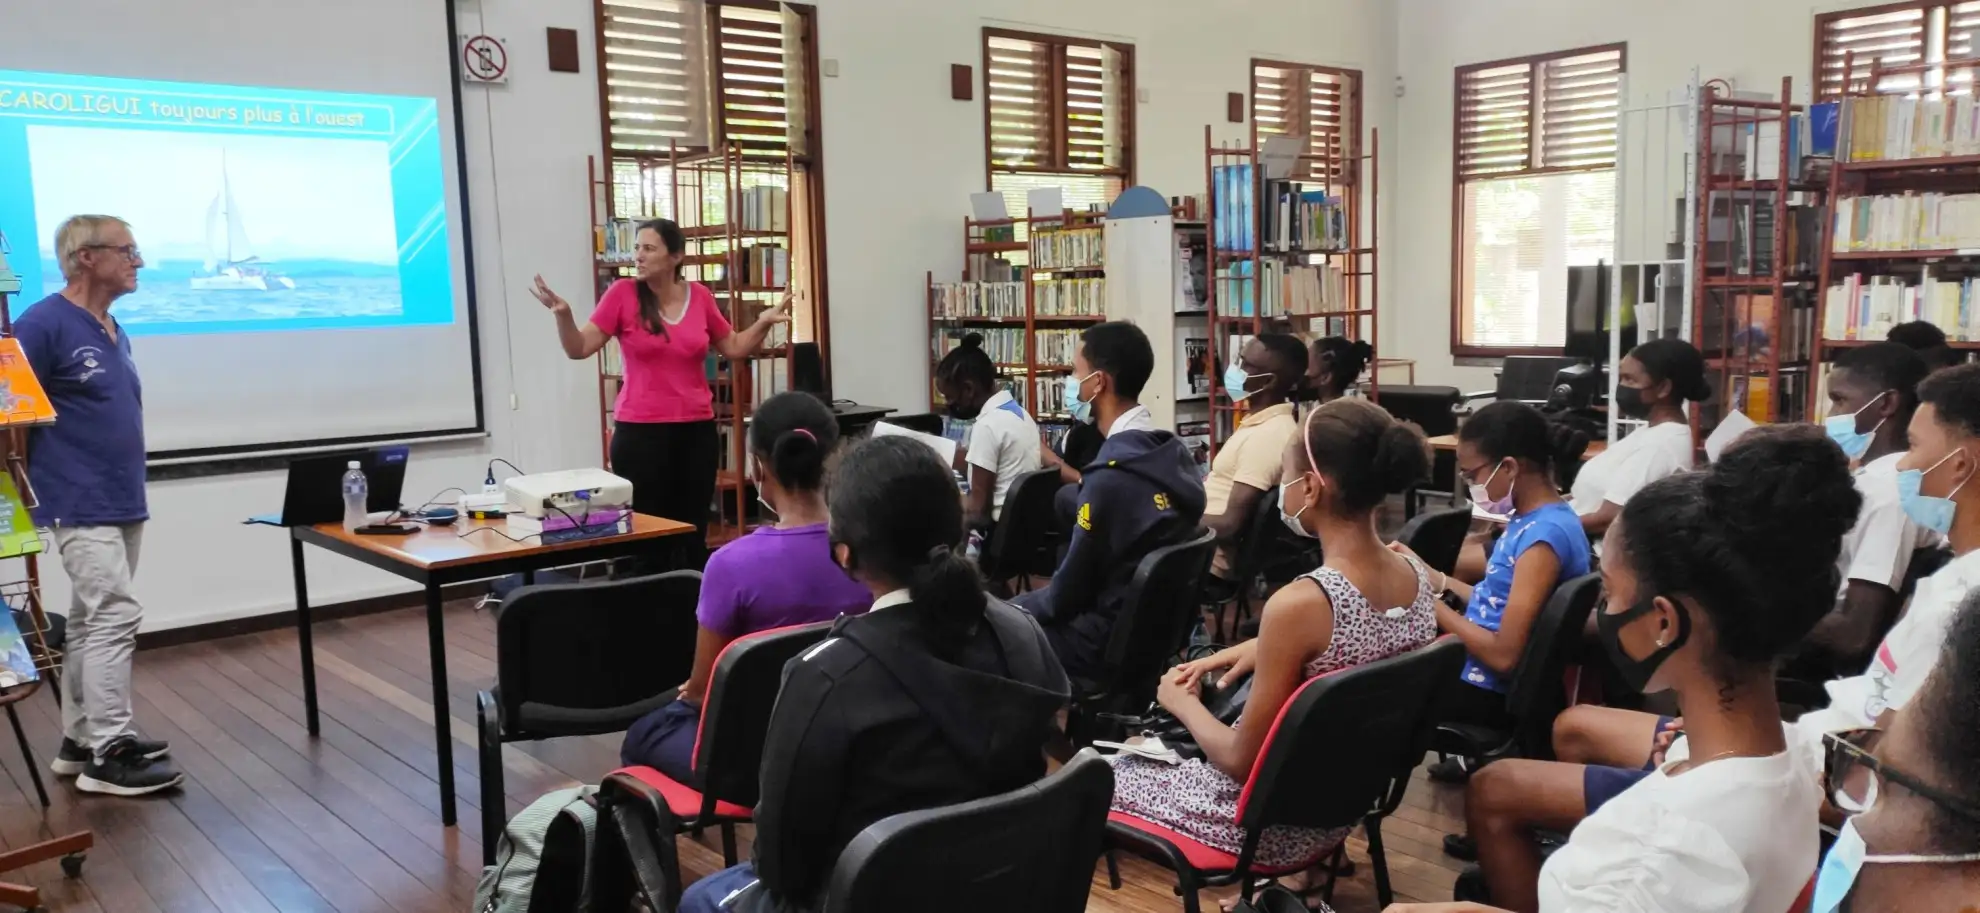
(1291, 520)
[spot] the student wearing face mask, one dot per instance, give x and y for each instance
(1652, 383)
(1364, 604)
(1140, 493)
(1710, 578)
(1506, 455)
(1003, 438)
(1334, 367)
(1246, 469)
(790, 438)
(1912, 841)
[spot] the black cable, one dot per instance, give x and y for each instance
(513, 467)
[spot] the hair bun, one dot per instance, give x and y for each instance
(1402, 456)
(1362, 350)
(972, 341)
(1783, 487)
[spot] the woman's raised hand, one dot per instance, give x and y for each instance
(550, 299)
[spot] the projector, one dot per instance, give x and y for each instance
(573, 491)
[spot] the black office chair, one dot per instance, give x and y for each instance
(1030, 849)
(1341, 753)
(1538, 691)
(1025, 542)
(580, 659)
(1435, 410)
(1157, 615)
(1437, 537)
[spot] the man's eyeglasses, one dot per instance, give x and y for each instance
(1854, 778)
(130, 251)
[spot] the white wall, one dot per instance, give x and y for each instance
(1751, 43)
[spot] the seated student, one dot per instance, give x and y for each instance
(1912, 842)
(1246, 469)
(1873, 392)
(1652, 384)
(1705, 592)
(1366, 603)
(1505, 454)
(1335, 365)
(1141, 493)
(937, 696)
(1928, 341)
(1003, 442)
(790, 437)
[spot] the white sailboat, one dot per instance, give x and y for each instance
(229, 259)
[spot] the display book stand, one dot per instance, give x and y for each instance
(1759, 206)
(1266, 272)
(735, 210)
(70, 849)
(1030, 297)
(1880, 274)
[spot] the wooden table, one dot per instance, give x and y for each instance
(435, 557)
(1449, 442)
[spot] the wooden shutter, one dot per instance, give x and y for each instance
(1578, 103)
(1494, 120)
(654, 57)
(750, 97)
(1019, 85)
(1312, 102)
(1094, 108)
(1893, 36)
(1555, 112)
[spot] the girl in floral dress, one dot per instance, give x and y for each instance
(1364, 604)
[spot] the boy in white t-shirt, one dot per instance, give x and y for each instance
(1003, 439)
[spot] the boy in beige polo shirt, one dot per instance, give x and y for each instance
(1246, 468)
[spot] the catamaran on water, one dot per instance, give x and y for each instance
(230, 261)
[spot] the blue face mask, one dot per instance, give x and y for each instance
(1837, 875)
(1935, 514)
(1081, 410)
(1234, 381)
(1842, 430)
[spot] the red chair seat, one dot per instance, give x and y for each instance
(1202, 857)
(684, 801)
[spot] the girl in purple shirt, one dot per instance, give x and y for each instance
(776, 576)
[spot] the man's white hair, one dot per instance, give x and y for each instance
(77, 233)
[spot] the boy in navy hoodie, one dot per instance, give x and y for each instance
(1140, 493)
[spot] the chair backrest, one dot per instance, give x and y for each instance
(735, 715)
(575, 659)
(1268, 544)
(1345, 743)
(1163, 599)
(1025, 538)
(924, 422)
(1433, 409)
(1437, 537)
(1030, 849)
(1538, 691)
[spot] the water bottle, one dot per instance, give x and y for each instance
(356, 491)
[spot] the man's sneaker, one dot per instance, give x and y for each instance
(71, 758)
(124, 771)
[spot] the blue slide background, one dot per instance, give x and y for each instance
(426, 275)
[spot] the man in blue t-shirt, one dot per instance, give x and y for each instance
(87, 469)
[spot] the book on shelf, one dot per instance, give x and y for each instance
(1740, 236)
(993, 268)
(1068, 248)
(1907, 222)
(615, 241)
(18, 535)
(949, 300)
(1237, 206)
(1069, 297)
(1048, 398)
(1194, 373)
(17, 666)
(1865, 308)
(1192, 271)
(1196, 438)
(22, 400)
(763, 265)
(1006, 345)
(1319, 288)
(1753, 334)
(1237, 293)
(764, 208)
(1304, 220)
(1882, 128)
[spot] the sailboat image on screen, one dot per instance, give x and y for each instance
(230, 261)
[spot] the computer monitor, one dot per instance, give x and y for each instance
(808, 370)
(1588, 315)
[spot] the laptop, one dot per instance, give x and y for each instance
(315, 488)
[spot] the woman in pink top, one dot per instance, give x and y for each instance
(663, 436)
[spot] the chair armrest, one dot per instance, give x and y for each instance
(489, 711)
(1480, 394)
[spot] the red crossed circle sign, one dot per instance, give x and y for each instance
(485, 58)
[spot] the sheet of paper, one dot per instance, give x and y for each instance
(943, 447)
(1045, 202)
(1150, 748)
(1729, 430)
(988, 206)
(1280, 153)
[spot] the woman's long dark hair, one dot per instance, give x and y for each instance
(897, 510)
(649, 303)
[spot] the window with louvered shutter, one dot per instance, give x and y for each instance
(656, 87)
(750, 97)
(1057, 106)
(1318, 103)
(1535, 151)
(1896, 35)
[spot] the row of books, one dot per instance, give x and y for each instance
(1891, 127)
(1070, 297)
(615, 241)
(1068, 248)
(1056, 347)
(1753, 395)
(1809, 135)
(1740, 237)
(1305, 220)
(993, 268)
(1005, 346)
(1911, 221)
(1749, 319)
(1048, 395)
(1235, 193)
(763, 265)
(764, 209)
(1302, 289)
(1867, 308)
(976, 299)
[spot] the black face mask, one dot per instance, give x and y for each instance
(1636, 673)
(1630, 401)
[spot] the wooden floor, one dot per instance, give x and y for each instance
(270, 820)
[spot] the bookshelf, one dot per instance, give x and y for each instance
(736, 213)
(1029, 298)
(1291, 253)
(1760, 213)
(1903, 240)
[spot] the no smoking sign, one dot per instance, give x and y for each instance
(484, 59)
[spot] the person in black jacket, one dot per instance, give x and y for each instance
(1142, 492)
(938, 695)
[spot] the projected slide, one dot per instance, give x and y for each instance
(254, 209)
